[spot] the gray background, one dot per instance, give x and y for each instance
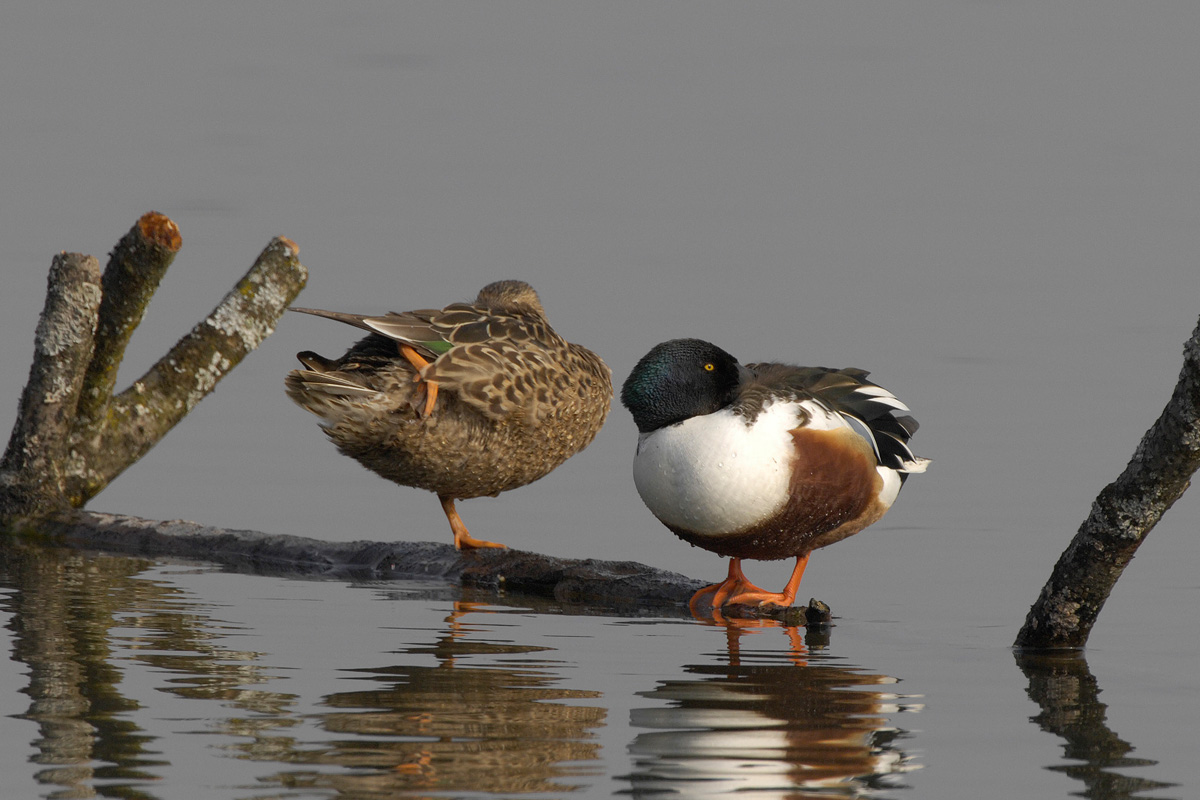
(991, 206)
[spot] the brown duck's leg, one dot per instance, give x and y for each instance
(429, 388)
(463, 540)
(756, 596)
(735, 582)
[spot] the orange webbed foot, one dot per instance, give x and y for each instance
(736, 589)
(463, 540)
(424, 397)
(758, 597)
(735, 583)
(426, 390)
(469, 542)
(761, 598)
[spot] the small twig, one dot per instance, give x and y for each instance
(1125, 511)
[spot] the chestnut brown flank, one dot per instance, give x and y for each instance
(834, 494)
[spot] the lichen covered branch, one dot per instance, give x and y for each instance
(1125, 511)
(30, 473)
(135, 268)
(141, 415)
(73, 435)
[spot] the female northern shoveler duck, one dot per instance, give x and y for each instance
(763, 461)
(470, 400)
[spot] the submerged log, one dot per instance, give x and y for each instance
(1126, 510)
(624, 587)
(570, 581)
(73, 436)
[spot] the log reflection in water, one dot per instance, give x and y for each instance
(479, 719)
(76, 618)
(779, 725)
(483, 715)
(1062, 684)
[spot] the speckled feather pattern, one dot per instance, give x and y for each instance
(515, 399)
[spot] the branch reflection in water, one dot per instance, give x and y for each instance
(485, 716)
(777, 725)
(1062, 684)
(76, 618)
(121, 668)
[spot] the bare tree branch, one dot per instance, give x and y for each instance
(30, 473)
(135, 268)
(141, 415)
(1125, 511)
(72, 436)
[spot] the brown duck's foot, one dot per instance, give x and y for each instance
(754, 596)
(463, 540)
(735, 583)
(425, 389)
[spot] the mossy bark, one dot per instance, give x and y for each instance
(73, 436)
(1125, 511)
(137, 418)
(135, 268)
(589, 586)
(31, 471)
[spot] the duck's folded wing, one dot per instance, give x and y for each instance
(503, 379)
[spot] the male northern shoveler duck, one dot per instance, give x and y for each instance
(470, 400)
(763, 461)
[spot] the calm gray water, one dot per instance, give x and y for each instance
(991, 206)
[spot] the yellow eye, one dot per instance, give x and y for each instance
(709, 367)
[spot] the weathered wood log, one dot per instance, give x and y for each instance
(588, 585)
(73, 436)
(578, 582)
(1125, 511)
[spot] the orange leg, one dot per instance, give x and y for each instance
(463, 540)
(754, 596)
(428, 388)
(735, 582)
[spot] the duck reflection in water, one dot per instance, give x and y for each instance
(787, 725)
(486, 716)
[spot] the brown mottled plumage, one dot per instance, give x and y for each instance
(487, 399)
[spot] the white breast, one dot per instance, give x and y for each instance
(713, 475)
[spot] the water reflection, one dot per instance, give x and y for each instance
(484, 717)
(460, 705)
(1069, 696)
(75, 619)
(791, 724)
